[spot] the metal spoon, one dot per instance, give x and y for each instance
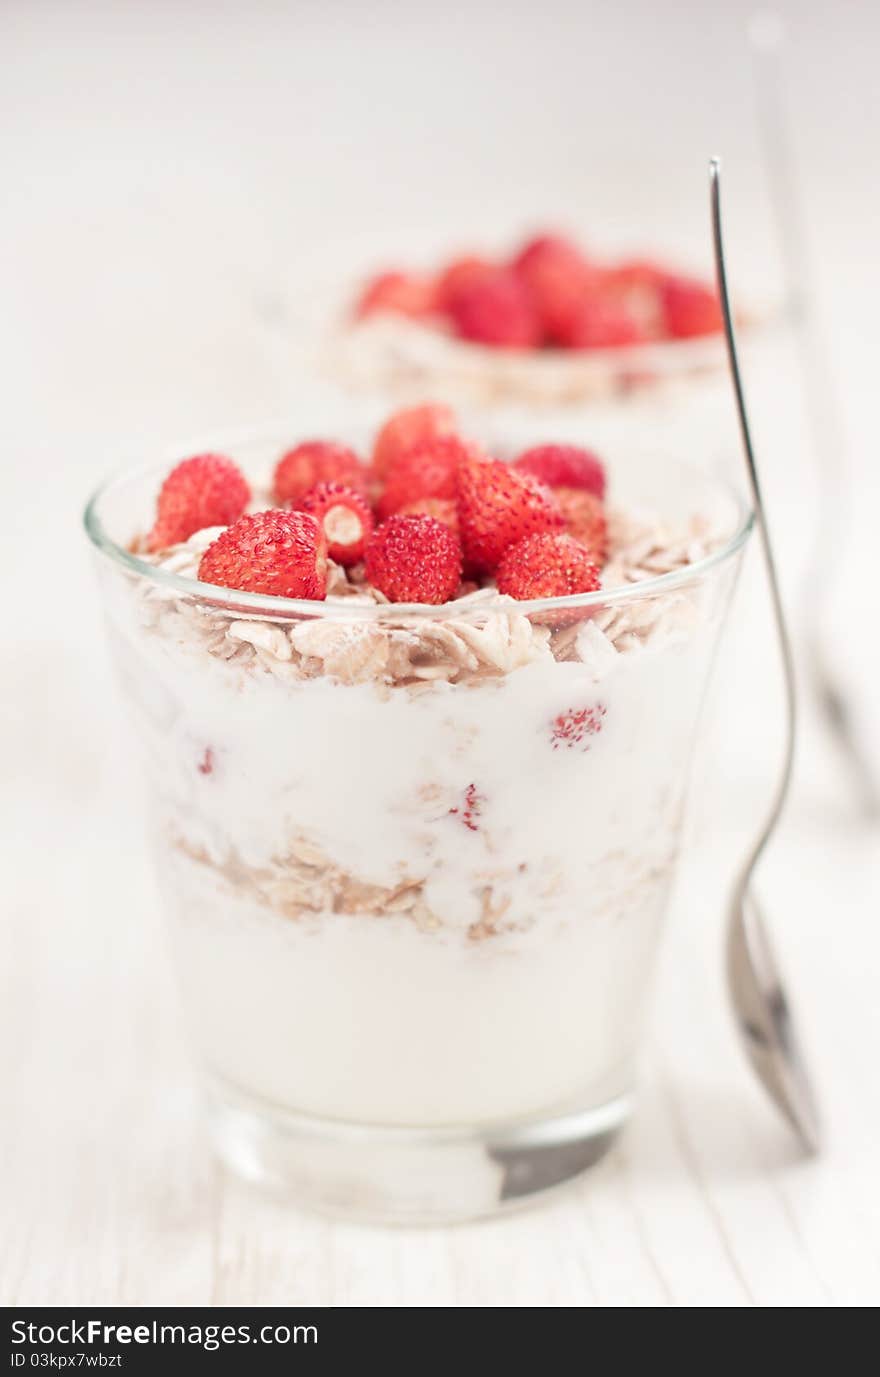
(759, 1001)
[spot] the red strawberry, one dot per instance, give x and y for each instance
(585, 520)
(576, 726)
(345, 518)
(313, 462)
(207, 490)
(690, 308)
(408, 428)
(547, 566)
(634, 274)
(442, 510)
(564, 466)
(459, 274)
(545, 248)
(429, 469)
(401, 294)
(498, 506)
(635, 285)
(471, 808)
(495, 308)
(279, 553)
(596, 323)
(414, 559)
(206, 764)
(557, 277)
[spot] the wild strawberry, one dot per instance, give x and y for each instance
(429, 469)
(408, 428)
(633, 274)
(281, 554)
(207, 490)
(547, 566)
(312, 462)
(585, 520)
(498, 506)
(557, 276)
(576, 726)
(345, 518)
(495, 308)
(414, 559)
(599, 323)
(690, 308)
(545, 248)
(457, 275)
(439, 508)
(399, 293)
(471, 808)
(565, 466)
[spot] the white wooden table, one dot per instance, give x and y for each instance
(147, 219)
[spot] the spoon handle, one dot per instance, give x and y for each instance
(782, 634)
(755, 982)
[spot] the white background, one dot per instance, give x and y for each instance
(166, 168)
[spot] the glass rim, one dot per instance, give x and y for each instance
(260, 604)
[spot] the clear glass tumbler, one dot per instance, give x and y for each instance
(416, 859)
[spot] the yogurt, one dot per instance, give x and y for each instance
(418, 864)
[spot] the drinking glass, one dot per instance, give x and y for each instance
(416, 859)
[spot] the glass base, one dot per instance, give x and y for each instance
(408, 1175)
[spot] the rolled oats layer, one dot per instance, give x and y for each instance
(405, 358)
(482, 634)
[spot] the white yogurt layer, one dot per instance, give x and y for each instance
(535, 813)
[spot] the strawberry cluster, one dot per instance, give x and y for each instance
(429, 510)
(549, 294)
